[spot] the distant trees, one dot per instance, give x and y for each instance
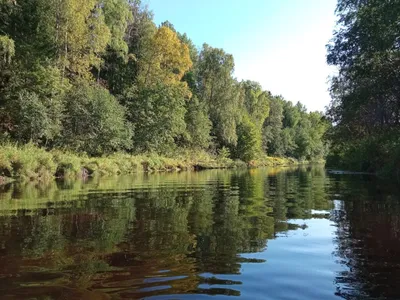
(291, 131)
(366, 100)
(100, 77)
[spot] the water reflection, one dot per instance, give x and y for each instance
(368, 238)
(255, 234)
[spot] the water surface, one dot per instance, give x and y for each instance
(249, 234)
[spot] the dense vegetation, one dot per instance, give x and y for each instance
(98, 76)
(366, 93)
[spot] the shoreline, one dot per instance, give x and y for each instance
(29, 163)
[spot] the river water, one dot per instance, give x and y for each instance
(246, 234)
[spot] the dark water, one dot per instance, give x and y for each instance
(251, 234)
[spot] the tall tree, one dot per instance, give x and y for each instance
(222, 93)
(272, 127)
(157, 102)
(366, 93)
(165, 59)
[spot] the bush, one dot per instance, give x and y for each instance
(95, 122)
(158, 114)
(28, 162)
(35, 120)
(249, 141)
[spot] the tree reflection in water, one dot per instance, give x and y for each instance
(187, 233)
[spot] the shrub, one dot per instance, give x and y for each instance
(95, 121)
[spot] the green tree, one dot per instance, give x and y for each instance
(365, 94)
(95, 122)
(158, 113)
(77, 32)
(249, 140)
(157, 102)
(221, 92)
(255, 111)
(121, 73)
(256, 102)
(198, 125)
(36, 120)
(272, 127)
(7, 50)
(118, 16)
(35, 105)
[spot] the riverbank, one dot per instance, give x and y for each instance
(31, 163)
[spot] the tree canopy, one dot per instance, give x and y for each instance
(100, 76)
(365, 107)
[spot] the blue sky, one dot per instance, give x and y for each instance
(279, 43)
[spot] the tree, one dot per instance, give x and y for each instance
(118, 16)
(36, 120)
(35, 105)
(256, 102)
(158, 114)
(222, 93)
(249, 140)
(365, 94)
(198, 125)
(7, 50)
(157, 103)
(272, 127)
(121, 73)
(77, 31)
(165, 59)
(95, 122)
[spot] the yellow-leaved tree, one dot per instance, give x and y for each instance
(165, 59)
(157, 107)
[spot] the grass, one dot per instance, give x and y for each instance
(30, 163)
(269, 161)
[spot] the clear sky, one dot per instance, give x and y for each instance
(279, 43)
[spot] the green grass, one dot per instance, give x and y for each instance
(30, 163)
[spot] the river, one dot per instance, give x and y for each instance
(238, 234)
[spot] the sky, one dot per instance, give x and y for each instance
(279, 43)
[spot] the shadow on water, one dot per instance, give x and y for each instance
(253, 234)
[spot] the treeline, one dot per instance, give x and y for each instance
(98, 76)
(366, 93)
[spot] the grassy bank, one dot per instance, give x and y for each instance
(30, 163)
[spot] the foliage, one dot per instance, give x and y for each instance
(7, 50)
(99, 76)
(365, 109)
(95, 122)
(165, 59)
(198, 124)
(272, 127)
(32, 163)
(77, 31)
(117, 16)
(256, 102)
(249, 140)
(158, 113)
(222, 93)
(293, 132)
(36, 120)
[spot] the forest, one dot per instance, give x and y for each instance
(365, 107)
(99, 77)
